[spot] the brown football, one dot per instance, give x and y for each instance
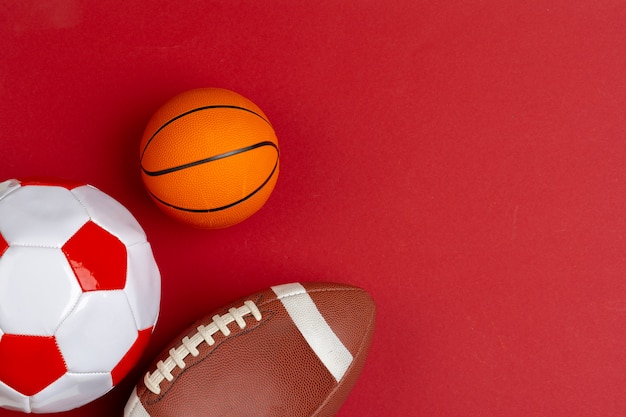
(294, 350)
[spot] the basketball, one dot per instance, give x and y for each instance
(209, 158)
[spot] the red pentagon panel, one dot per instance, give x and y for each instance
(97, 258)
(3, 245)
(51, 181)
(131, 357)
(29, 364)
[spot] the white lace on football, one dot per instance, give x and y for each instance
(189, 345)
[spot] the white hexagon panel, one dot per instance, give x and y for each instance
(35, 296)
(79, 294)
(40, 216)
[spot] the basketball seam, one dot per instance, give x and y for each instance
(209, 159)
(218, 106)
(216, 209)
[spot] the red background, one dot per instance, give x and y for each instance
(462, 161)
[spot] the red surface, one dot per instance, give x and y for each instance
(70, 184)
(462, 162)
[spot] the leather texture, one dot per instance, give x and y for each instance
(267, 368)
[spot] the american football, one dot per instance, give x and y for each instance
(292, 350)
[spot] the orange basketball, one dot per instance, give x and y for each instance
(209, 158)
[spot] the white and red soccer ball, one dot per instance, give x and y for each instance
(79, 294)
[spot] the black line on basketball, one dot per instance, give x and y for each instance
(212, 210)
(219, 106)
(209, 159)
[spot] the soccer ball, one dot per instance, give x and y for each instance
(79, 294)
